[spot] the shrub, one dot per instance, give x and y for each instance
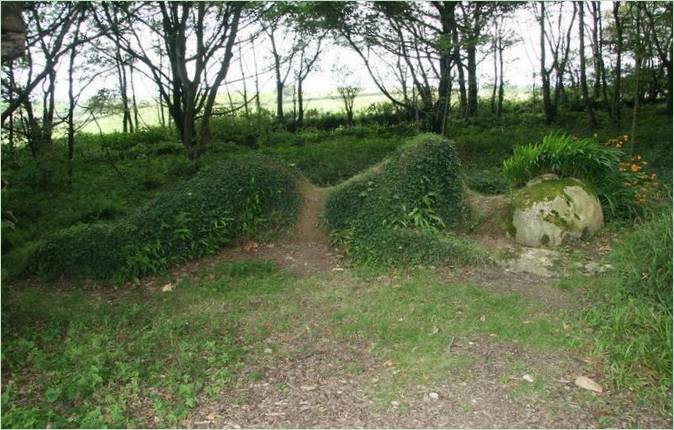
(599, 166)
(396, 211)
(240, 196)
(487, 181)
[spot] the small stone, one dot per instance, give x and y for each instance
(588, 384)
(528, 378)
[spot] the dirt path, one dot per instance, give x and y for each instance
(305, 249)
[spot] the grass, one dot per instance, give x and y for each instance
(139, 357)
(134, 356)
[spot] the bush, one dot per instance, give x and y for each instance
(599, 166)
(396, 211)
(240, 196)
(487, 181)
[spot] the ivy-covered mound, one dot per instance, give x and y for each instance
(398, 211)
(239, 196)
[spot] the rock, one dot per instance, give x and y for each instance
(528, 378)
(588, 384)
(595, 268)
(542, 178)
(538, 261)
(550, 212)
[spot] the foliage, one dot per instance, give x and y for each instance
(643, 259)
(397, 209)
(336, 157)
(486, 181)
(223, 201)
(632, 311)
(133, 359)
(563, 155)
(617, 184)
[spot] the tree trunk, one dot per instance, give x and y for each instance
(637, 78)
(617, 105)
(243, 78)
(258, 106)
(495, 48)
(133, 98)
(300, 103)
(71, 112)
(463, 100)
(471, 51)
(472, 80)
(583, 74)
(596, 49)
(444, 85)
(499, 107)
(545, 75)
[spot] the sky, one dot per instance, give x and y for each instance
(521, 63)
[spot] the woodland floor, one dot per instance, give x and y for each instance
(351, 349)
(316, 378)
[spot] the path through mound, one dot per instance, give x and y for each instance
(305, 249)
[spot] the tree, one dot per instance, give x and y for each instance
(617, 74)
(659, 23)
(348, 94)
(307, 61)
(583, 73)
(49, 37)
(545, 72)
(198, 41)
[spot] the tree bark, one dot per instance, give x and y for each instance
(583, 74)
(617, 105)
(545, 74)
(463, 99)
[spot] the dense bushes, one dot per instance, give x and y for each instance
(602, 167)
(396, 211)
(196, 217)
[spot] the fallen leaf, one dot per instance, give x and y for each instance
(588, 384)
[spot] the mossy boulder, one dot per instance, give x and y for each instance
(552, 211)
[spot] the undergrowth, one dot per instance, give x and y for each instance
(238, 197)
(398, 212)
